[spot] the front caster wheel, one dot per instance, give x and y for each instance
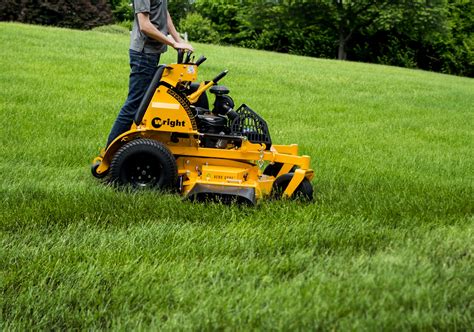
(94, 167)
(304, 191)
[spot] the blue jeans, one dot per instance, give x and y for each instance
(142, 68)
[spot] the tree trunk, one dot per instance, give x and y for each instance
(342, 54)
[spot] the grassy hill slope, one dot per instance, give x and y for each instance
(387, 245)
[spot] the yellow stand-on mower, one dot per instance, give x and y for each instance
(177, 142)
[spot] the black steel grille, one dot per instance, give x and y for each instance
(251, 125)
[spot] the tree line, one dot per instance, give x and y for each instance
(435, 35)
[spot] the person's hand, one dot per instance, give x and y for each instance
(183, 46)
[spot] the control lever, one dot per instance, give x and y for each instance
(201, 60)
(188, 56)
(220, 76)
(180, 56)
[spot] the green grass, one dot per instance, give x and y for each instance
(114, 28)
(387, 245)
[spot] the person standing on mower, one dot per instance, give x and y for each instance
(148, 40)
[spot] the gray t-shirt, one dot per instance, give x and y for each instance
(157, 9)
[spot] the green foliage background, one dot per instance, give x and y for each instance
(436, 35)
(77, 14)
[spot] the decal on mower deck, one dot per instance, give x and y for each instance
(168, 106)
(222, 177)
(157, 123)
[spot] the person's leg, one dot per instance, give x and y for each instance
(142, 68)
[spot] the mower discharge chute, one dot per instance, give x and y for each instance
(177, 142)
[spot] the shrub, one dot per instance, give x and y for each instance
(178, 9)
(122, 10)
(199, 29)
(78, 14)
(126, 24)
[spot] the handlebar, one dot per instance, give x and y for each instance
(182, 59)
(198, 62)
(188, 57)
(180, 56)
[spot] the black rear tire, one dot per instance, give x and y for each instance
(144, 163)
(304, 191)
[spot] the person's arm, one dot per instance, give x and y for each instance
(172, 29)
(151, 31)
(174, 33)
